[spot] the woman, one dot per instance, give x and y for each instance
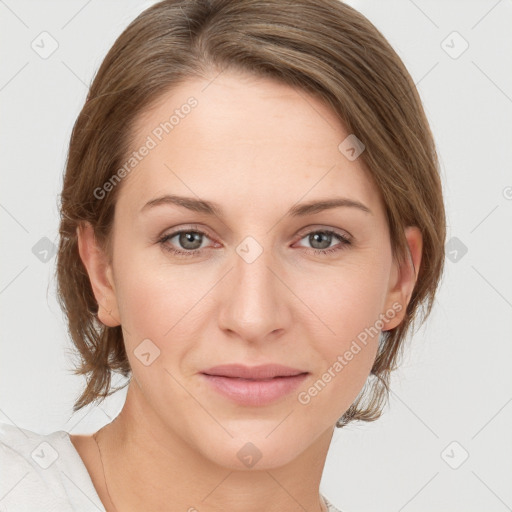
(251, 218)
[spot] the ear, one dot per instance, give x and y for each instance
(100, 275)
(403, 279)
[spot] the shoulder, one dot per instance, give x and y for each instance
(26, 449)
(330, 506)
(40, 471)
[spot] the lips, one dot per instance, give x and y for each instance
(267, 371)
(254, 385)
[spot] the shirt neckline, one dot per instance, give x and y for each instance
(84, 472)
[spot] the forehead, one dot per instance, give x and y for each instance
(250, 138)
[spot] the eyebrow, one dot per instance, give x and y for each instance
(212, 208)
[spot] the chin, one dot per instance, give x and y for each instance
(256, 449)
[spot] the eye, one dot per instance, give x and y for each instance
(190, 240)
(321, 241)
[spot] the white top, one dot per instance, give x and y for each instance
(45, 473)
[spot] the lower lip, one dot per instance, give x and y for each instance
(255, 392)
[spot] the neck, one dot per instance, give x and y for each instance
(148, 467)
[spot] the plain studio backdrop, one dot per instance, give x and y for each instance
(443, 442)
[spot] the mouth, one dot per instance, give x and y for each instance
(254, 386)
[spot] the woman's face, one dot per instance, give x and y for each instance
(262, 280)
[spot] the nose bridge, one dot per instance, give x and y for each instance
(254, 304)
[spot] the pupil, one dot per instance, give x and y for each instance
(318, 236)
(189, 238)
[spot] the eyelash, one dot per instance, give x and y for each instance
(196, 252)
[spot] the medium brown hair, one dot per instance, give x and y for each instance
(323, 47)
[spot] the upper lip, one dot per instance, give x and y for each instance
(266, 371)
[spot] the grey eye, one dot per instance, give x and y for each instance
(320, 238)
(190, 240)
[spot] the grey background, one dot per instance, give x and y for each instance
(455, 381)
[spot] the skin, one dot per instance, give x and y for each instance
(256, 147)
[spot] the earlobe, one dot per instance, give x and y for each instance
(402, 289)
(100, 275)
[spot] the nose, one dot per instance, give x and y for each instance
(255, 302)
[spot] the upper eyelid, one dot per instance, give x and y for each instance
(307, 230)
(301, 233)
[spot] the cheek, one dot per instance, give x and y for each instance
(345, 301)
(160, 302)
(140, 295)
(149, 295)
(345, 332)
(345, 359)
